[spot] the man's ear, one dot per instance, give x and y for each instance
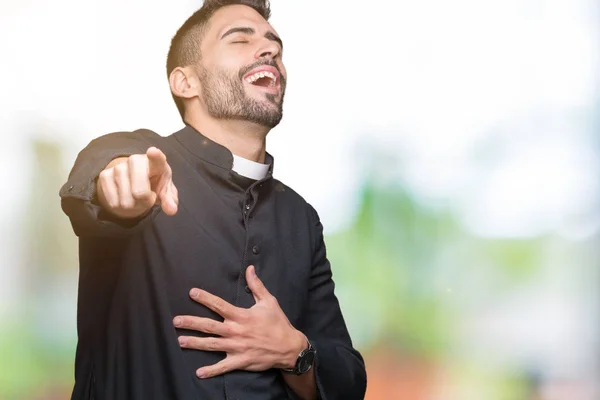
(184, 82)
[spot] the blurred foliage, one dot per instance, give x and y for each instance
(50, 239)
(406, 273)
(404, 260)
(36, 347)
(388, 253)
(31, 366)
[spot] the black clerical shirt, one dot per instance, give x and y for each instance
(135, 276)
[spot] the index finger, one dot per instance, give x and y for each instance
(157, 161)
(215, 303)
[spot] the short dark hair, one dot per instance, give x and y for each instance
(185, 45)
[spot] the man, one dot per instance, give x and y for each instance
(201, 276)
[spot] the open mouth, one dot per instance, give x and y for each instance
(264, 79)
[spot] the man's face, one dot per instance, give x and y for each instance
(241, 72)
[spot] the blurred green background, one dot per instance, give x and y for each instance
(451, 150)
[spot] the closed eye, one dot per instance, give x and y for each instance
(240, 41)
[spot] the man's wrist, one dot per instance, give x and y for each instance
(298, 343)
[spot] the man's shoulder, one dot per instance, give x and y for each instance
(293, 197)
(139, 135)
(126, 143)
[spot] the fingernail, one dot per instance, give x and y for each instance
(181, 341)
(200, 374)
(177, 321)
(194, 293)
(252, 270)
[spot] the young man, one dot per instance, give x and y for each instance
(201, 276)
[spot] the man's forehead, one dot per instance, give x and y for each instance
(236, 16)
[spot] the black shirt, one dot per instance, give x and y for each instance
(135, 277)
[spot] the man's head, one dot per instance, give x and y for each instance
(225, 61)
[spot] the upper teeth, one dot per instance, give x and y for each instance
(263, 74)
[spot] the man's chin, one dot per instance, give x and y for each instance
(269, 122)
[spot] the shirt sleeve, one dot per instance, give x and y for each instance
(339, 368)
(78, 194)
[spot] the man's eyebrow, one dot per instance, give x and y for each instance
(250, 31)
(271, 36)
(247, 31)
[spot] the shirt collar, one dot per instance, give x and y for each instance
(216, 154)
(250, 169)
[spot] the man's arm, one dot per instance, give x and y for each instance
(115, 183)
(305, 385)
(339, 369)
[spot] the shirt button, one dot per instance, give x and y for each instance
(247, 289)
(255, 250)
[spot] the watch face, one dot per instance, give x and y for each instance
(306, 361)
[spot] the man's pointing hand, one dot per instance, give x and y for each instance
(130, 186)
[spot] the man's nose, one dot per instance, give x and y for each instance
(267, 49)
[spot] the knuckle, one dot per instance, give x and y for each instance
(112, 203)
(136, 158)
(242, 347)
(211, 326)
(245, 360)
(213, 343)
(126, 204)
(105, 175)
(223, 369)
(121, 169)
(139, 194)
(230, 330)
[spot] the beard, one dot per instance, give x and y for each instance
(225, 97)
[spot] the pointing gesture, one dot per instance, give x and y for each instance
(130, 186)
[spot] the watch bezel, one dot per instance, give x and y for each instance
(302, 366)
(305, 361)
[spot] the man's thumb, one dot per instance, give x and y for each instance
(169, 200)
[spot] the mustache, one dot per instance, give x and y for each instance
(260, 63)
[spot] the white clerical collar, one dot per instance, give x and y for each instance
(249, 168)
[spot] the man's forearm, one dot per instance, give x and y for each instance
(305, 385)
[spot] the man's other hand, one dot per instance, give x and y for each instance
(255, 339)
(130, 186)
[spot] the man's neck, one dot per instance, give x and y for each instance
(242, 138)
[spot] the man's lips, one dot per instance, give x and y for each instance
(264, 77)
(264, 68)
